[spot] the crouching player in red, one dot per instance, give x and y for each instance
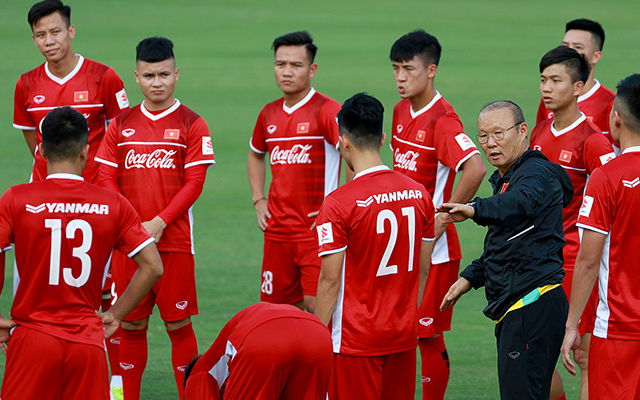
(267, 351)
(64, 231)
(376, 236)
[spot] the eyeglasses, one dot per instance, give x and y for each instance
(497, 135)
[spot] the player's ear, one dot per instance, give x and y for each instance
(596, 57)
(84, 153)
(313, 68)
(384, 137)
(137, 76)
(41, 151)
(177, 73)
(577, 88)
(431, 71)
(72, 31)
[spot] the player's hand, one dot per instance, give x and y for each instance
(5, 326)
(571, 342)
(111, 323)
(455, 212)
(155, 227)
(262, 213)
(460, 287)
(313, 215)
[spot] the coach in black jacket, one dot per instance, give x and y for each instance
(521, 266)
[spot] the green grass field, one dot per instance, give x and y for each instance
(491, 51)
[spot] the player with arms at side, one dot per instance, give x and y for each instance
(157, 154)
(575, 143)
(300, 133)
(57, 349)
(608, 221)
(430, 146)
(376, 236)
(587, 38)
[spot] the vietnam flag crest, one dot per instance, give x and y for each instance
(420, 136)
(565, 156)
(303, 127)
(79, 97)
(172, 133)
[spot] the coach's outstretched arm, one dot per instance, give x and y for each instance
(149, 271)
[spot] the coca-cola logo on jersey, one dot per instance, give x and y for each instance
(298, 154)
(159, 158)
(408, 160)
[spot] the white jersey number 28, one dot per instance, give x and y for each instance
(79, 252)
(388, 215)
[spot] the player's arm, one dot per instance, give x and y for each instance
(329, 285)
(584, 277)
(425, 263)
(30, 138)
(149, 271)
(257, 172)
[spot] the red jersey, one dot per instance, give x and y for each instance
(612, 207)
(64, 231)
(579, 149)
(302, 142)
(595, 104)
(430, 146)
(151, 152)
(379, 218)
(93, 89)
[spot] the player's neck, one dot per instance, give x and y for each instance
(366, 160)
(421, 100)
(589, 84)
(628, 139)
(564, 117)
(65, 167)
(291, 99)
(63, 67)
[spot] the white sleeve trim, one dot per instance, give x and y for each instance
(334, 251)
(100, 160)
(24, 128)
(254, 149)
(199, 162)
(465, 159)
(428, 239)
(142, 246)
(591, 228)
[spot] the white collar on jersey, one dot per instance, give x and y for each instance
(590, 92)
(69, 75)
(290, 110)
(163, 114)
(557, 133)
(62, 175)
(371, 170)
(437, 97)
(634, 149)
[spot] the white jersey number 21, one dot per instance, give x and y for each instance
(388, 215)
(79, 252)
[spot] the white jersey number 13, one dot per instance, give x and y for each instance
(388, 215)
(79, 252)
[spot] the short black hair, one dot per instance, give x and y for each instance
(48, 7)
(627, 101)
(417, 43)
(154, 49)
(583, 24)
(299, 38)
(188, 368)
(64, 133)
(516, 111)
(360, 119)
(577, 66)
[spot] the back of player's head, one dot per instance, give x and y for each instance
(417, 43)
(64, 133)
(576, 65)
(48, 7)
(360, 119)
(627, 102)
(154, 49)
(516, 111)
(300, 38)
(189, 367)
(583, 24)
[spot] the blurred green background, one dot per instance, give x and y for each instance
(491, 51)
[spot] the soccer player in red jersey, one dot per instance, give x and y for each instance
(376, 236)
(608, 221)
(157, 155)
(587, 38)
(430, 146)
(575, 143)
(266, 351)
(65, 79)
(57, 348)
(300, 133)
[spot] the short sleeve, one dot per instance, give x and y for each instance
(115, 96)
(257, 141)
(108, 151)
(597, 151)
(453, 146)
(199, 147)
(6, 219)
(598, 205)
(329, 122)
(21, 118)
(331, 227)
